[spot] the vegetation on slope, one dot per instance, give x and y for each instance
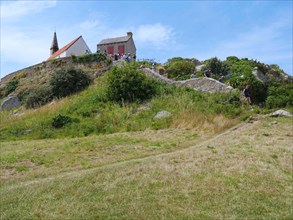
(93, 112)
(106, 157)
(242, 174)
(237, 73)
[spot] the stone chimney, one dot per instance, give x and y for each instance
(129, 34)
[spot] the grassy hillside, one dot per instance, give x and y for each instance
(213, 158)
(243, 173)
(92, 113)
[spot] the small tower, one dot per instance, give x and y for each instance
(54, 46)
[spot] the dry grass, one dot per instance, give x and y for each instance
(245, 173)
(191, 119)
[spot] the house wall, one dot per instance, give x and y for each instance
(130, 47)
(78, 48)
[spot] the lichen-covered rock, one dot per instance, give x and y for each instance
(281, 112)
(10, 103)
(205, 84)
(259, 75)
(162, 114)
(154, 75)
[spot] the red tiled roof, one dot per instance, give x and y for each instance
(58, 52)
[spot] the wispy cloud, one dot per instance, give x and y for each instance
(17, 9)
(156, 35)
(89, 24)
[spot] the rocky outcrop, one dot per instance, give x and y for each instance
(259, 75)
(10, 103)
(281, 112)
(162, 114)
(153, 74)
(199, 67)
(205, 84)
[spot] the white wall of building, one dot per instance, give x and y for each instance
(78, 48)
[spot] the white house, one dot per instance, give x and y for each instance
(76, 47)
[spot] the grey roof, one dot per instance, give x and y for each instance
(114, 40)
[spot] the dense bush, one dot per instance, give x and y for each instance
(258, 90)
(88, 58)
(65, 82)
(36, 97)
(280, 96)
(180, 68)
(60, 121)
(216, 66)
(127, 84)
(11, 86)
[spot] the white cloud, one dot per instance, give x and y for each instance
(155, 35)
(89, 24)
(17, 9)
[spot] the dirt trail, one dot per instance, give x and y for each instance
(232, 132)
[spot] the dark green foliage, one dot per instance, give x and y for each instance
(88, 58)
(60, 121)
(127, 84)
(37, 97)
(175, 59)
(280, 95)
(11, 86)
(216, 66)
(177, 69)
(277, 68)
(258, 90)
(65, 82)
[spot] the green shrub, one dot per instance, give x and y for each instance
(216, 66)
(127, 84)
(60, 121)
(23, 94)
(11, 86)
(65, 82)
(180, 68)
(258, 90)
(37, 97)
(88, 58)
(280, 96)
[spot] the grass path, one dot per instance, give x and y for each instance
(242, 173)
(79, 173)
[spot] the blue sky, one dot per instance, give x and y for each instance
(260, 30)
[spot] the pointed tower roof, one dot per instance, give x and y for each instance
(54, 46)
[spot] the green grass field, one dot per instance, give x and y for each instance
(213, 158)
(242, 173)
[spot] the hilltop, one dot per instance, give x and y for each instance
(128, 145)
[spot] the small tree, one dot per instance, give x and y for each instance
(128, 84)
(65, 82)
